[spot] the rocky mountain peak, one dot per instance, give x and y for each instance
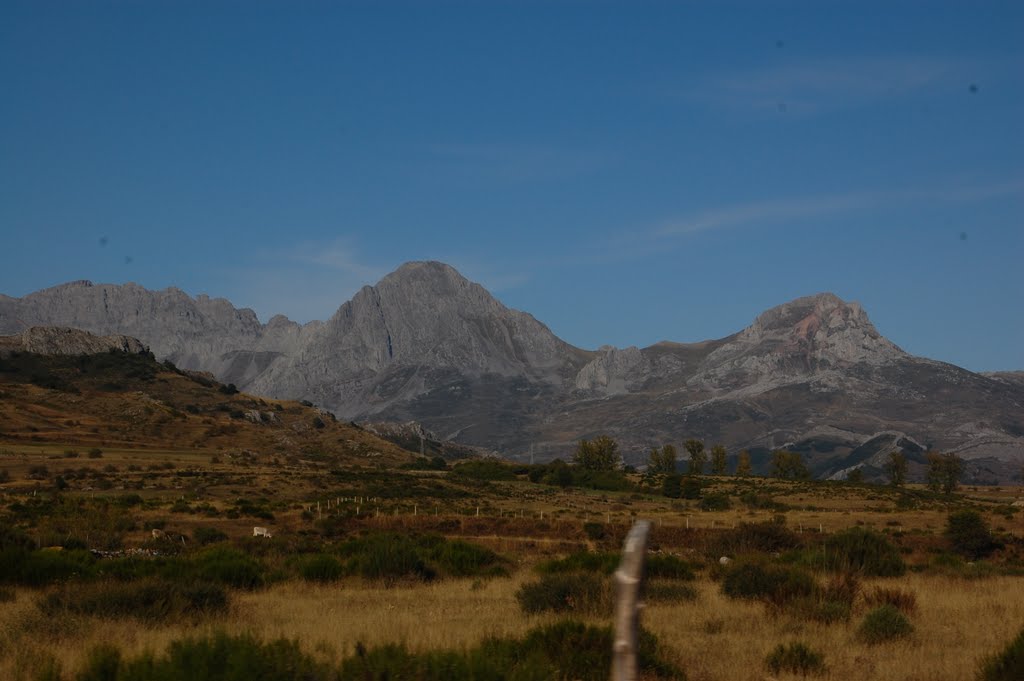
(426, 313)
(820, 327)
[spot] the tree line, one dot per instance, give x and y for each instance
(602, 454)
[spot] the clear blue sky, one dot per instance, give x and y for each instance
(625, 171)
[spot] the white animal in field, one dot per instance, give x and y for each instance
(261, 532)
(724, 560)
(158, 534)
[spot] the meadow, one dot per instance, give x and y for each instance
(452, 565)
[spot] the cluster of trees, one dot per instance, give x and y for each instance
(944, 471)
(602, 455)
(664, 461)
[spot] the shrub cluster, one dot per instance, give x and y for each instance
(760, 580)
(968, 534)
(755, 537)
(391, 556)
(884, 623)
(1006, 665)
(564, 650)
(582, 593)
(795, 658)
(151, 600)
(658, 565)
(863, 551)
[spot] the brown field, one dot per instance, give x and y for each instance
(714, 638)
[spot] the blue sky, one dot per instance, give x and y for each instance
(627, 172)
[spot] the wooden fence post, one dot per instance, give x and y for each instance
(629, 580)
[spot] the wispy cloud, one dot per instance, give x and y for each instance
(810, 87)
(338, 255)
(304, 282)
(765, 212)
(791, 209)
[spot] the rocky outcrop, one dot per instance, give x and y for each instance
(49, 340)
(805, 337)
(614, 371)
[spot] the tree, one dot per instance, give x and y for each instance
(969, 535)
(672, 486)
(691, 487)
(662, 461)
(698, 457)
(718, 460)
(855, 476)
(897, 469)
(944, 471)
(599, 454)
(789, 465)
(743, 467)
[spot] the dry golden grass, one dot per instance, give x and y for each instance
(957, 623)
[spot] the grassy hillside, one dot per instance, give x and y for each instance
(119, 400)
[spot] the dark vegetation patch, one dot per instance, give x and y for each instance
(1007, 664)
(884, 623)
(795, 658)
(658, 565)
(564, 650)
(151, 600)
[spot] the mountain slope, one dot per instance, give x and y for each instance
(425, 344)
(85, 394)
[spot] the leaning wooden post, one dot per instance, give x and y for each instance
(629, 581)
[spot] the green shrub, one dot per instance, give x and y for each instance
(229, 566)
(715, 502)
(672, 486)
(150, 600)
(564, 650)
(484, 469)
(1006, 665)
(969, 535)
(578, 593)
(458, 558)
(39, 568)
(883, 624)
(658, 591)
(321, 568)
(756, 537)
(594, 531)
(666, 566)
(386, 556)
(217, 658)
(776, 584)
(208, 535)
(691, 487)
(862, 551)
(761, 501)
(830, 603)
(658, 565)
(796, 658)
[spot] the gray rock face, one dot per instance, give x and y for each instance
(421, 321)
(426, 345)
(45, 340)
(614, 371)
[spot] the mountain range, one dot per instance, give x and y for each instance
(425, 344)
